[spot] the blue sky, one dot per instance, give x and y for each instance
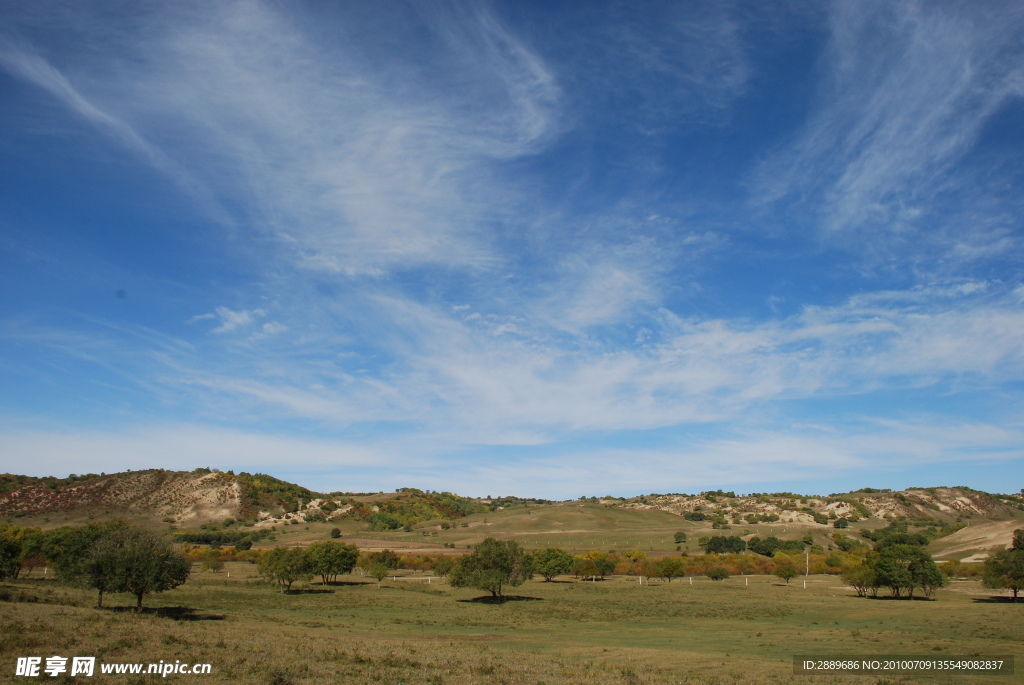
(540, 249)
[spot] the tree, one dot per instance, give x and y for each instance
(785, 569)
(669, 568)
(492, 566)
(552, 562)
(903, 568)
(717, 573)
(69, 548)
(10, 557)
(862, 577)
(331, 559)
(1005, 568)
(583, 567)
(379, 571)
(145, 564)
(212, 561)
(19, 547)
(116, 557)
(335, 533)
(442, 566)
(388, 558)
(721, 544)
(680, 537)
(648, 568)
(285, 565)
(603, 564)
(99, 567)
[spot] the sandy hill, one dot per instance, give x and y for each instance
(962, 522)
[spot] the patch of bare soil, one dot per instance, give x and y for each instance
(973, 538)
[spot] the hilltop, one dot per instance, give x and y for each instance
(959, 521)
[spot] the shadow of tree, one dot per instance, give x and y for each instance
(996, 600)
(174, 613)
(488, 599)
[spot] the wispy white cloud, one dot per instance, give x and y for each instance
(908, 88)
(352, 171)
(450, 368)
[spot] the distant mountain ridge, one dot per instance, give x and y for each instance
(208, 495)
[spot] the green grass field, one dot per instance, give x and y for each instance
(407, 631)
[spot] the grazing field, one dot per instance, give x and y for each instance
(409, 631)
(573, 526)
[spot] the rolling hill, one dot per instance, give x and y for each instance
(959, 522)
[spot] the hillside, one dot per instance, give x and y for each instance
(959, 522)
(202, 496)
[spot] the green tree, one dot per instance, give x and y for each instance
(146, 563)
(679, 537)
(388, 558)
(68, 548)
(442, 566)
(493, 566)
(669, 568)
(10, 556)
(718, 573)
(98, 568)
(603, 564)
(284, 566)
(335, 533)
(862, 577)
(19, 547)
(379, 571)
(785, 569)
(1005, 568)
(904, 567)
(552, 562)
(720, 544)
(331, 559)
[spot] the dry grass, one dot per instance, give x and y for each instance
(570, 632)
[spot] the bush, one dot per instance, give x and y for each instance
(335, 533)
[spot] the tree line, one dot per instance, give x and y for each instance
(117, 557)
(107, 557)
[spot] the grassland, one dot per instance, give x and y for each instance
(579, 527)
(408, 631)
(614, 631)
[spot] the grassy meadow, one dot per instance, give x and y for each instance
(575, 527)
(409, 631)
